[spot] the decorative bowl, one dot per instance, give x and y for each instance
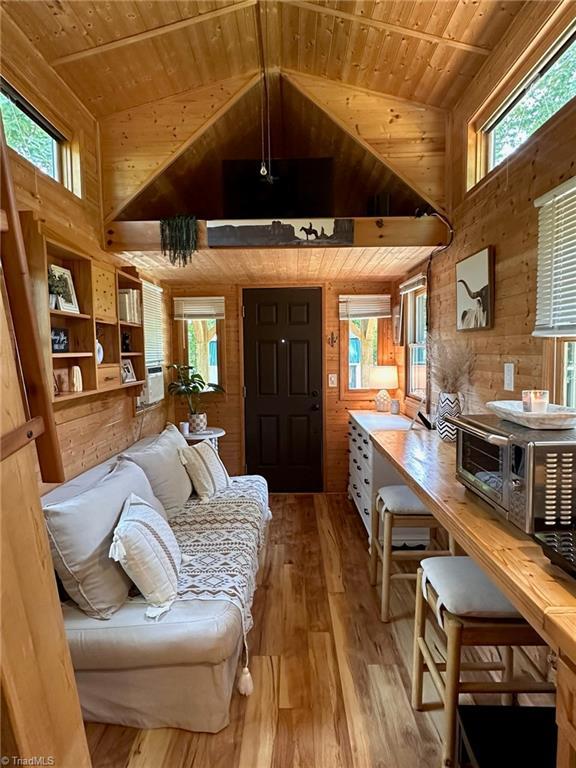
(556, 417)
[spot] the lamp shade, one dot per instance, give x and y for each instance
(384, 377)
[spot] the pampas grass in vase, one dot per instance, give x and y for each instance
(451, 367)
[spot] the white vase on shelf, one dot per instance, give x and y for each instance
(448, 405)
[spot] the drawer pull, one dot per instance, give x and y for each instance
(354, 486)
(358, 495)
(365, 442)
(367, 481)
(364, 455)
(353, 439)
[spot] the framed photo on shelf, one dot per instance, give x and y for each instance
(128, 374)
(61, 278)
(60, 339)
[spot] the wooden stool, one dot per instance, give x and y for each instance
(470, 611)
(398, 507)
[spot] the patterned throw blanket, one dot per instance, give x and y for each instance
(221, 540)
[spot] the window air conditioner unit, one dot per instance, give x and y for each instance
(153, 390)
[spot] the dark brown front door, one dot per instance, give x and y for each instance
(283, 380)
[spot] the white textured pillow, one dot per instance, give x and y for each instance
(164, 470)
(205, 468)
(80, 531)
(147, 550)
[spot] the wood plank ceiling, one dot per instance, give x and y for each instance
(120, 54)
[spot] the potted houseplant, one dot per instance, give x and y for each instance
(451, 365)
(189, 385)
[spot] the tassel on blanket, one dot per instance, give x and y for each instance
(245, 684)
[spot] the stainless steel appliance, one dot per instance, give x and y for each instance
(528, 476)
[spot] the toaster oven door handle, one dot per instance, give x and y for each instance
(490, 437)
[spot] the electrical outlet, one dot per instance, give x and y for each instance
(332, 379)
(509, 377)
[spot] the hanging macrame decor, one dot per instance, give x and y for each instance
(178, 238)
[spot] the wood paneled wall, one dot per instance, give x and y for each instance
(227, 410)
(499, 211)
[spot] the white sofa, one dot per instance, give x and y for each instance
(179, 671)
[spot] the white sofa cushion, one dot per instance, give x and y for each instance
(80, 531)
(205, 467)
(147, 550)
(163, 467)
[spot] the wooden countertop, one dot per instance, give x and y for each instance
(542, 592)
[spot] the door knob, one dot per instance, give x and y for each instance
(316, 407)
(315, 393)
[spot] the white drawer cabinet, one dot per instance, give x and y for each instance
(368, 471)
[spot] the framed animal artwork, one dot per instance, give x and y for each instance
(475, 291)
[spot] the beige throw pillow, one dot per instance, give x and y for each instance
(80, 531)
(161, 463)
(205, 467)
(147, 550)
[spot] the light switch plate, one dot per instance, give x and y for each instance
(509, 377)
(332, 379)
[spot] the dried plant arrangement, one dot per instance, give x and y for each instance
(451, 364)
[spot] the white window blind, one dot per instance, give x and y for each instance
(153, 324)
(199, 308)
(360, 307)
(413, 284)
(556, 293)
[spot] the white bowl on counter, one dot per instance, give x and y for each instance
(556, 417)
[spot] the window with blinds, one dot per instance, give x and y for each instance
(200, 332)
(153, 314)
(366, 306)
(556, 291)
(362, 335)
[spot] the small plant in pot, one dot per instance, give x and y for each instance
(189, 385)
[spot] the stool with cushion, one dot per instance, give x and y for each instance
(397, 506)
(470, 611)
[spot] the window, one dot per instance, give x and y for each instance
(567, 372)
(556, 287)
(153, 320)
(363, 336)
(414, 297)
(200, 334)
(543, 93)
(30, 134)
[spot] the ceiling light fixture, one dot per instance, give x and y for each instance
(265, 125)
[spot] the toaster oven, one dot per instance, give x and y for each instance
(528, 476)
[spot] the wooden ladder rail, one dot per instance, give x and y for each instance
(17, 281)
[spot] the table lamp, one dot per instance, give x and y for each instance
(383, 377)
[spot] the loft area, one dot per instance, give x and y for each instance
(288, 383)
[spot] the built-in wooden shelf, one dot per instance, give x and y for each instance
(132, 384)
(129, 278)
(102, 321)
(71, 315)
(130, 325)
(132, 354)
(59, 355)
(74, 395)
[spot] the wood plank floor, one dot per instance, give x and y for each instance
(331, 682)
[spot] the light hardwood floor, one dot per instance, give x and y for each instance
(331, 681)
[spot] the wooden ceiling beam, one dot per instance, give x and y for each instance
(151, 33)
(378, 232)
(240, 93)
(386, 26)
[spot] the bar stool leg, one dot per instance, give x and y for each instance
(453, 630)
(386, 566)
(374, 531)
(508, 673)
(419, 632)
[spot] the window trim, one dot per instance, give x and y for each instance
(368, 393)
(553, 366)
(409, 324)
(556, 30)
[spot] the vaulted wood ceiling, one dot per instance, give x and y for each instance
(124, 53)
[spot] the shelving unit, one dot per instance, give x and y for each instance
(97, 287)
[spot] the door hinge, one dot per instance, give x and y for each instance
(243, 391)
(243, 311)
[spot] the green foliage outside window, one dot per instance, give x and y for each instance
(28, 138)
(548, 94)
